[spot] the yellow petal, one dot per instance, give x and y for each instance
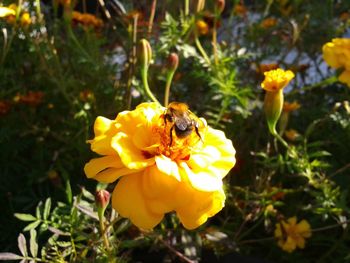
(300, 241)
(289, 245)
(202, 180)
(330, 56)
(304, 228)
(106, 169)
(129, 202)
(203, 205)
(102, 125)
(345, 77)
(5, 11)
(278, 231)
(131, 156)
(292, 220)
(167, 166)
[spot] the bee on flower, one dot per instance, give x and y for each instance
(165, 159)
(291, 235)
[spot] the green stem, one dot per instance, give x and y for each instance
(200, 48)
(167, 87)
(279, 138)
(102, 229)
(187, 7)
(144, 74)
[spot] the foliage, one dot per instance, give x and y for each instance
(58, 74)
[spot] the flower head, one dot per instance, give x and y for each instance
(6, 11)
(290, 106)
(337, 55)
(291, 235)
(202, 27)
(276, 79)
(268, 22)
(160, 167)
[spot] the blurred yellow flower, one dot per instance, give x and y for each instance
(6, 11)
(290, 106)
(337, 55)
(158, 171)
(202, 27)
(268, 22)
(291, 235)
(25, 19)
(276, 79)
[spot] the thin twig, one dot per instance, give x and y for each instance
(177, 253)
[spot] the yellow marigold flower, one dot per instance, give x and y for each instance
(274, 82)
(158, 171)
(291, 134)
(202, 27)
(276, 79)
(268, 22)
(291, 235)
(337, 55)
(6, 11)
(288, 106)
(25, 19)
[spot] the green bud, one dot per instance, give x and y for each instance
(273, 105)
(145, 53)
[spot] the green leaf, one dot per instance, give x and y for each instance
(32, 225)
(33, 243)
(47, 208)
(22, 245)
(9, 256)
(38, 210)
(25, 217)
(69, 192)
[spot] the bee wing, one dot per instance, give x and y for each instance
(182, 124)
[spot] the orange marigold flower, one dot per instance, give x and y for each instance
(268, 22)
(4, 107)
(32, 98)
(291, 134)
(160, 169)
(288, 107)
(267, 67)
(291, 235)
(337, 55)
(86, 20)
(240, 9)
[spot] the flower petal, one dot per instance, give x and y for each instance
(202, 206)
(106, 169)
(304, 228)
(129, 202)
(201, 180)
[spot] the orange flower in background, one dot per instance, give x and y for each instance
(288, 107)
(86, 20)
(337, 55)
(4, 107)
(267, 67)
(291, 134)
(291, 235)
(268, 22)
(32, 98)
(240, 10)
(160, 167)
(25, 19)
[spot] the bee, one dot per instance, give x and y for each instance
(183, 121)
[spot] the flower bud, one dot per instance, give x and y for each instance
(102, 199)
(145, 53)
(220, 5)
(273, 104)
(173, 61)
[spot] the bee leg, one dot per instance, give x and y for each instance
(197, 131)
(171, 135)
